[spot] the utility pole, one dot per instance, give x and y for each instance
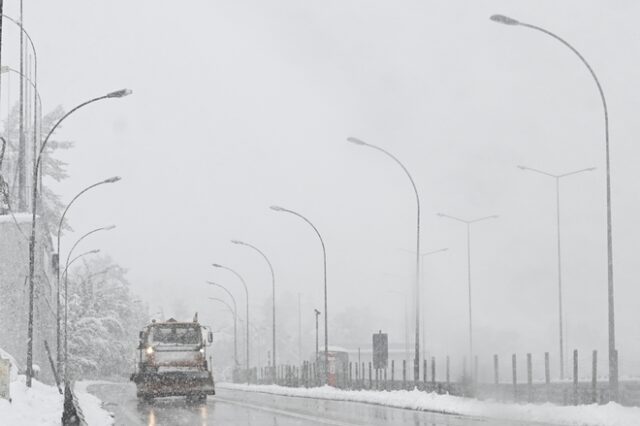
(557, 178)
(22, 149)
(1, 14)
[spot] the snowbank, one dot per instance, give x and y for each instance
(585, 415)
(92, 409)
(39, 405)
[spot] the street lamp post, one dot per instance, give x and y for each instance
(246, 289)
(235, 322)
(324, 258)
(557, 181)
(468, 224)
(57, 259)
(416, 363)
(66, 294)
(66, 310)
(422, 256)
(273, 289)
(32, 240)
(613, 355)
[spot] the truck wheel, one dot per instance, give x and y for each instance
(146, 398)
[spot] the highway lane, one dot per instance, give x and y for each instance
(231, 408)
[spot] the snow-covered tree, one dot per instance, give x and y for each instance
(52, 167)
(104, 320)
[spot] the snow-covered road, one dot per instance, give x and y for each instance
(230, 408)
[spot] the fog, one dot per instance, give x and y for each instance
(240, 105)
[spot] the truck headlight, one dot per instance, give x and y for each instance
(201, 350)
(149, 350)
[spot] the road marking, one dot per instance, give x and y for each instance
(287, 413)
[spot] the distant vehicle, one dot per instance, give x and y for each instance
(172, 361)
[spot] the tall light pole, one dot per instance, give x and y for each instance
(613, 355)
(273, 289)
(468, 224)
(32, 240)
(246, 289)
(57, 261)
(34, 83)
(235, 334)
(324, 258)
(422, 256)
(557, 180)
(66, 292)
(66, 309)
(416, 363)
(235, 321)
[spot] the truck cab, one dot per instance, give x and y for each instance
(172, 361)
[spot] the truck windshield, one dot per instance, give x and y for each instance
(180, 335)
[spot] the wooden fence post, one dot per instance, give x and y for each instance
(448, 375)
(433, 371)
(594, 377)
(575, 377)
(529, 378)
(370, 378)
(393, 373)
(424, 372)
(515, 377)
(386, 383)
(547, 375)
(404, 374)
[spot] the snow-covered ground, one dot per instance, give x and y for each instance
(41, 405)
(585, 415)
(38, 405)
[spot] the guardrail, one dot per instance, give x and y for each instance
(72, 413)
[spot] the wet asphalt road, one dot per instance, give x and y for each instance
(231, 408)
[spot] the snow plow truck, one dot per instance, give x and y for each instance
(172, 361)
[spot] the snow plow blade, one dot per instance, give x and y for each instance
(154, 385)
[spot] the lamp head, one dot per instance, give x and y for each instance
(113, 179)
(4, 68)
(590, 169)
(119, 93)
(277, 208)
(522, 167)
(94, 251)
(356, 141)
(109, 228)
(440, 214)
(237, 242)
(216, 265)
(501, 19)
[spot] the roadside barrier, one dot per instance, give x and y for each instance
(71, 413)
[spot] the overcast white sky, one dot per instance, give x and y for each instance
(239, 105)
